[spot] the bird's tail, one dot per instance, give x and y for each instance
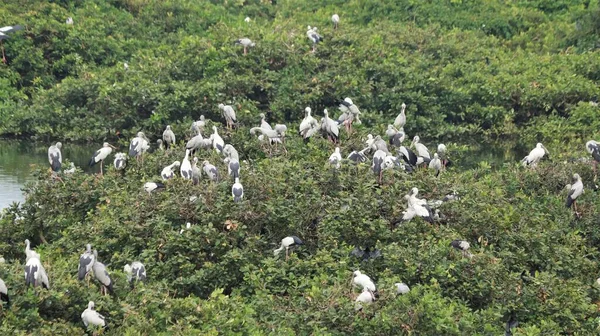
(569, 202)
(596, 155)
(92, 162)
(237, 199)
(437, 173)
(81, 274)
(159, 185)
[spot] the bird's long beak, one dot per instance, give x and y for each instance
(112, 146)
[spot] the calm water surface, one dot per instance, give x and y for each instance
(19, 158)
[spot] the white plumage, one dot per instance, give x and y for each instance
(534, 156)
(336, 20)
(101, 154)
(138, 145)
(149, 187)
(336, 158)
(366, 297)
(210, 170)
(186, 166)
(436, 164)
(217, 141)
(330, 127)
(168, 137)
(308, 124)
(169, 171)
(35, 274)
(55, 156)
(400, 120)
(229, 115)
(402, 288)
(237, 191)
(136, 271)
(421, 149)
(363, 281)
(91, 317)
(120, 161)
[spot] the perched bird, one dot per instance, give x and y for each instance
(396, 136)
(436, 164)
(330, 127)
(423, 155)
(237, 190)
(149, 187)
(400, 120)
(363, 281)
(349, 112)
(233, 169)
(401, 288)
(168, 137)
(247, 19)
(575, 191)
(198, 142)
(441, 150)
(35, 274)
(229, 115)
(462, 245)
(120, 161)
(217, 141)
(71, 169)
(286, 244)
(365, 254)
(125, 66)
(336, 20)
(416, 209)
(314, 37)
(86, 261)
(358, 157)
(263, 122)
(230, 153)
(408, 156)
(135, 272)
(198, 125)
(101, 154)
(196, 174)
(169, 171)
(101, 274)
(246, 43)
(535, 156)
(186, 166)
(4, 293)
(159, 144)
(377, 166)
(210, 171)
(336, 158)
(29, 253)
(91, 317)
(593, 147)
(3, 36)
(139, 145)
(307, 125)
(366, 297)
(55, 156)
(69, 21)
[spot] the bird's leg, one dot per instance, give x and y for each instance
(380, 175)
(595, 170)
(101, 173)
(3, 56)
(576, 212)
(286, 254)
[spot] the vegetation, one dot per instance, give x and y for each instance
(494, 68)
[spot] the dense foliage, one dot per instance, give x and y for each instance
(489, 67)
(461, 66)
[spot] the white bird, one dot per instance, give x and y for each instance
(149, 187)
(312, 35)
(336, 158)
(246, 43)
(91, 317)
(400, 120)
(441, 150)
(287, 243)
(101, 154)
(230, 153)
(436, 164)
(198, 142)
(217, 141)
(29, 253)
(198, 125)
(69, 21)
(35, 274)
(575, 191)
(237, 191)
(535, 156)
(247, 19)
(377, 166)
(416, 209)
(330, 127)
(120, 161)
(55, 156)
(210, 171)
(159, 144)
(168, 137)
(229, 115)
(169, 171)
(402, 288)
(463, 246)
(71, 169)
(86, 261)
(363, 281)
(396, 136)
(188, 225)
(593, 147)
(263, 122)
(308, 123)
(4, 293)
(186, 166)
(125, 66)
(233, 169)
(138, 145)
(422, 151)
(366, 297)
(336, 20)
(358, 156)
(135, 272)
(349, 112)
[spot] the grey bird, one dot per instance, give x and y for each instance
(574, 192)
(237, 191)
(168, 137)
(286, 244)
(196, 173)
(210, 171)
(377, 165)
(86, 261)
(135, 272)
(35, 274)
(4, 293)
(315, 38)
(246, 43)
(436, 164)
(138, 146)
(228, 114)
(233, 169)
(55, 156)
(120, 161)
(101, 274)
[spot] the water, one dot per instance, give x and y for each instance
(19, 158)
